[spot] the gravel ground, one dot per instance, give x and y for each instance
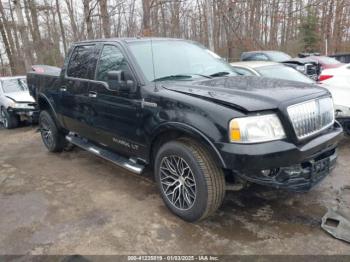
(74, 202)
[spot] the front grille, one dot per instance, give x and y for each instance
(311, 117)
(311, 71)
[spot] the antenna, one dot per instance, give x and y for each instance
(154, 70)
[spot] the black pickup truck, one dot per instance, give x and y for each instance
(177, 107)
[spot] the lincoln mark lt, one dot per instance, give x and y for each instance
(179, 108)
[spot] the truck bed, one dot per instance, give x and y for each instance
(42, 77)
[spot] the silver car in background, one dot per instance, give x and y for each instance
(16, 104)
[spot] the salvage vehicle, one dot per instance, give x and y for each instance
(177, 107)
(340, 88)
(326, 62)
(337, 80)
(307, 66)
(16, 104)
(270, 69)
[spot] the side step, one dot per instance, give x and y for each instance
(106, 154)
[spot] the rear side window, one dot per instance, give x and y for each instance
(82, 62)
(259, 57)
(255, 57)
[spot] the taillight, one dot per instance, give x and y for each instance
(324, 77)
(38, 70)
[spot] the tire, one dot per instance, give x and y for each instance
(347, 128)
(9, 120)
(202, 185)
(53, 138)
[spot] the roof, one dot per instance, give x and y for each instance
(254, 64)
(130, 39)
(340, 54)
(263, 51)
(11, 77)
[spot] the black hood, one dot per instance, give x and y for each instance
(250, 93)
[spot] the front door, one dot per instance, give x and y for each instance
(116, 115)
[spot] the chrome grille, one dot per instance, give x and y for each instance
(312, 116)
(311, 71)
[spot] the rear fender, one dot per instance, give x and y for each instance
(45, 104)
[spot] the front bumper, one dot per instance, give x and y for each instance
(32, 114)
(283, 164)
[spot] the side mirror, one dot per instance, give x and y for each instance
(117, 82)
(114, 76)
(131, 86)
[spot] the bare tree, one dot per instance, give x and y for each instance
(7, 48)
(28, 58)
(105, 19)
(37, 31)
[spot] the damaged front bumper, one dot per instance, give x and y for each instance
(25, 114)
(299, 177)
(283, 164)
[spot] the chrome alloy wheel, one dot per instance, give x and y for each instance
(3, 118)
(46, 133)
(177, 182)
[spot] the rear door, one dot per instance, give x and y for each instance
(76, 107)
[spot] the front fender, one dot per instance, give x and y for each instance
(190, 131)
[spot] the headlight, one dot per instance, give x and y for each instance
(254, 129)
(22, 106)
(300, 68)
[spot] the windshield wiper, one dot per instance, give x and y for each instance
(172, 77)
(218, 74)
(179, 76)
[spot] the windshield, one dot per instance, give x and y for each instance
(283, 72)
(14, 85)
(177, 58)
(279, 56)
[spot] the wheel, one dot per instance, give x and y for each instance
(346, 127)
(9, 120)
(53, 138)
(191, 184)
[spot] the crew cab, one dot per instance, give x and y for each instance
(16, 104)
(177, 107)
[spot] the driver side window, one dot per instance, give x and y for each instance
(112, 59)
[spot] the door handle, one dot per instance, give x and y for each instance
(63, 89)
(92, 94)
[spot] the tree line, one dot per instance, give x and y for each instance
(41, 31)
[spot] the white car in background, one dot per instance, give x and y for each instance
(270, 69)
(16, 104)
(336, 80)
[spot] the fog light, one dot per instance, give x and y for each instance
(266, 172)
(270, 172)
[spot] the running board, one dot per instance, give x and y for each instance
(106, 154)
